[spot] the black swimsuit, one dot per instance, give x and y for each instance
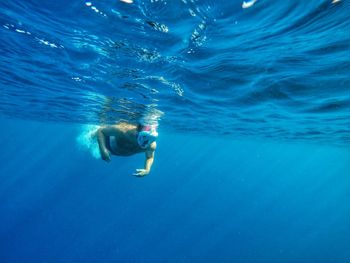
(109, 146)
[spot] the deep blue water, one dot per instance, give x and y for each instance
(253, 106)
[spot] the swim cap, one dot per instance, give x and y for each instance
(146, 136)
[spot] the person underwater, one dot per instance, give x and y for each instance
(125, 139)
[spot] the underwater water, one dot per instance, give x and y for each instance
(252, 100)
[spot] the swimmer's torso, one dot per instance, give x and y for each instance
(124, 142)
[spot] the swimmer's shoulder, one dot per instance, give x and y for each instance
(125, 127)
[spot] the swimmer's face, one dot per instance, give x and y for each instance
(145, 138)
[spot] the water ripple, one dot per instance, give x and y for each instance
(274, 69)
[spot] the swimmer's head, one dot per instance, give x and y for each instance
(146, 135)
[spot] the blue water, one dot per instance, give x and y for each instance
(253, 106)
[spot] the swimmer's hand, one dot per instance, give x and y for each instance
(105, 155)
(141, 172)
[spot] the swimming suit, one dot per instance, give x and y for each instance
(111, 144)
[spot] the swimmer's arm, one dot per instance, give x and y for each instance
(102, 134)
(148, 162)
(149, 159)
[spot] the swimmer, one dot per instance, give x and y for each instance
(125, 139)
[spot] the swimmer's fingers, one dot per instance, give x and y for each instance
(107, 159)
(106, 156)
(140, 172)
